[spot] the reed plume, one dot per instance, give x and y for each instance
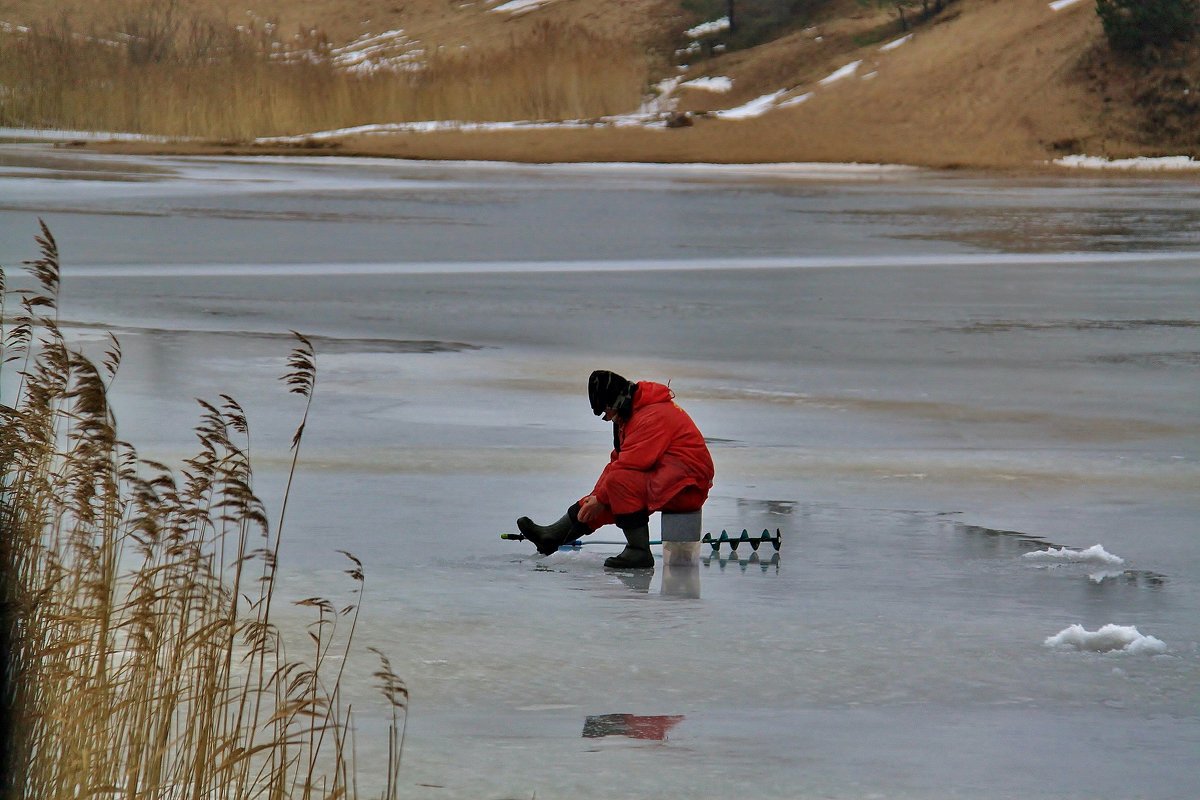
(143, 660)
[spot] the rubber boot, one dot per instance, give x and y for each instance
(548, 538)
(636, 554)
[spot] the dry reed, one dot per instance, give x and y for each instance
(142, 659)
(157, 71)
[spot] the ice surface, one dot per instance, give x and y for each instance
(916, 377)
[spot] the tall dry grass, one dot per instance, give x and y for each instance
(143, 660)
(157, 70)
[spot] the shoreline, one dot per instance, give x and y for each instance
(616, 147)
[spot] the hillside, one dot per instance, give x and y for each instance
(988, 83)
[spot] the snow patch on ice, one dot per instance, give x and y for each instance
(1095, 554)
(1139, 163)
(1124, 638)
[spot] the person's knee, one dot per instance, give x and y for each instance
(627, 491)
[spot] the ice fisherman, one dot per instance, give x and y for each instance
(659, 462)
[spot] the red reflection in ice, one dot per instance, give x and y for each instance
(631, 725)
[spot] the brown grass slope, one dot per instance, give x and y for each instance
(990, 83)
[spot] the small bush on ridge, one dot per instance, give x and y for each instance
(1132, 26)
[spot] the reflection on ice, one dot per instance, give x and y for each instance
(636, 580)
(631, 725)
(681, 580)
(742, 561)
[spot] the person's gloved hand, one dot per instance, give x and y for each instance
(589, 509)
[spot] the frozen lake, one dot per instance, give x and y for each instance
(919, 378)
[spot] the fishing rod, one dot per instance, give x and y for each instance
(713, 541)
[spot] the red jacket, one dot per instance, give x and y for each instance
(660, 439)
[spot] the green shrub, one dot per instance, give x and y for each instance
(755, 21)
(1132, 26)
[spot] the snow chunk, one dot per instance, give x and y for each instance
(707, 28)
(714, 84)
(1125, 638)
(1061, 4)
(755, 108)
(1095, 554)
(892, 45)
(844, 72)
(1139, 163)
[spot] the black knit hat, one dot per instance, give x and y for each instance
(609, 390)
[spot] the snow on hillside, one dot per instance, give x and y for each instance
(391, 50)
(709, 84)
(707, 28)
(517, 7)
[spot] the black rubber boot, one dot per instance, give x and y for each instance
(548, 538)
(636, 554)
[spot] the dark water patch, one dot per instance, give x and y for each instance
(52, 165)
(322, 344)
(258, 215)
(1071, 325)
(113, 177)
(1022, 544)
(1180, 359)
(1019, 229)
(48, 210)
(780, 508)
(1129, 577)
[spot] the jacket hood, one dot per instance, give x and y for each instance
(649, 393)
